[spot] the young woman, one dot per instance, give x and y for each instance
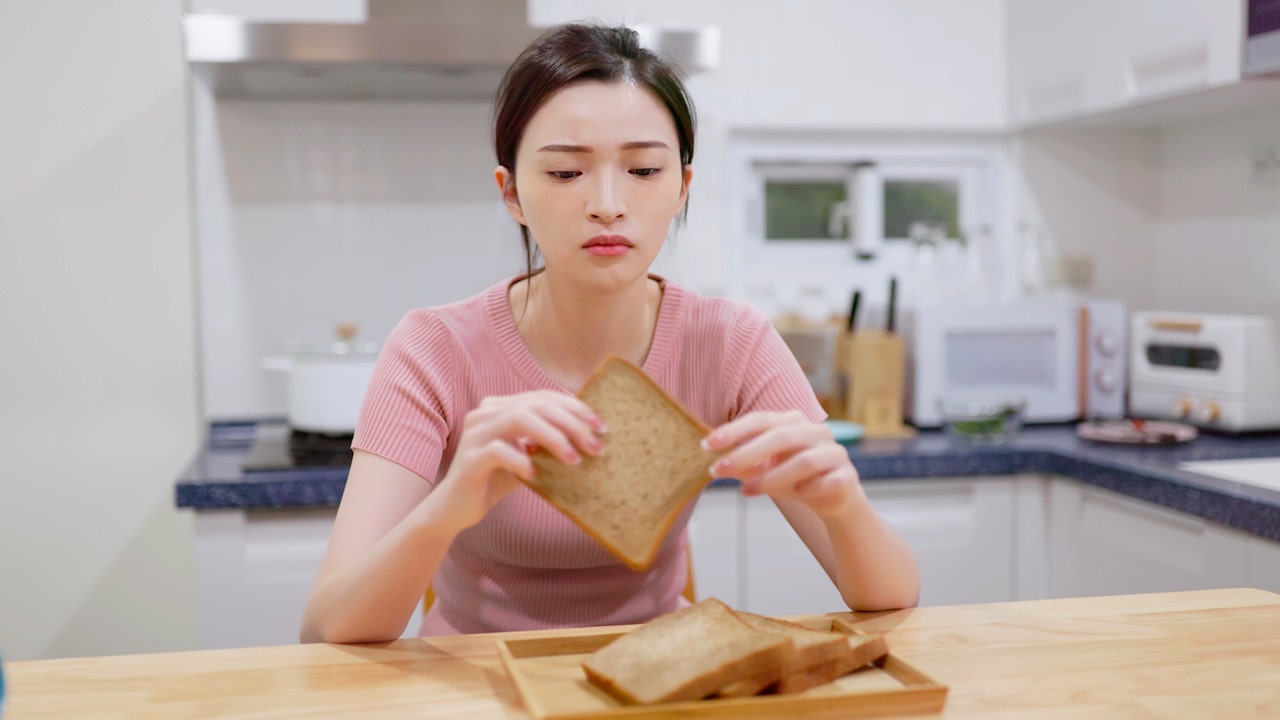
(594, 138)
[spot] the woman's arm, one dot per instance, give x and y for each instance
(393, 530)
(388, 540)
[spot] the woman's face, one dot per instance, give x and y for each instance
(598, 181)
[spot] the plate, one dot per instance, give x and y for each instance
(1137, 432)
(547, 672)
(844, 431)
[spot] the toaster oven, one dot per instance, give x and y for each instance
(1213, 371)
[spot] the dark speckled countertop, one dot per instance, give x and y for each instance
(216, 480)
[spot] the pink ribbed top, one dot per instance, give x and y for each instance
(526, 566)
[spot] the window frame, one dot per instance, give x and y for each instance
(977, 164)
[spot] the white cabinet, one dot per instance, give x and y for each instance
(1103, 543)
(1071, 59)
(715, 541)
(1264, 561)
(779, 574)
(254, 569)
(960, 529)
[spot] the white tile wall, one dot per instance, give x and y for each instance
(316, 213)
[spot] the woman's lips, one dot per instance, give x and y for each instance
(607, 245)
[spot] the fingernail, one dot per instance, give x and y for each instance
(703, 444)
(574, 458)
(719, 466)
(599, 425)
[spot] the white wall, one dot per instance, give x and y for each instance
(98, 409)
(1093, 192)
(1219, 231)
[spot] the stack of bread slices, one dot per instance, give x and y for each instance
(708, 650)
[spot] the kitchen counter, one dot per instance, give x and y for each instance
(215, 479)
(1209, 653)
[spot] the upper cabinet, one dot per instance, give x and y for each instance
(906, 65)
(1086, 58)
(900, 66)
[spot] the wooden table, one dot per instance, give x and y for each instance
(1211, 654)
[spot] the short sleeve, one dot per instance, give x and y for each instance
(405, 416)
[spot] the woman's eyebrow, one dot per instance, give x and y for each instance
(633, 145)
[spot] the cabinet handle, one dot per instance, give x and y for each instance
(1191, 326)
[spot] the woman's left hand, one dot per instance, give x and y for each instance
(785, 455)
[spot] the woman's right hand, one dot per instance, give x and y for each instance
(497, 438)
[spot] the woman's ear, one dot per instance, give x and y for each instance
(507, 187)
(686, 178)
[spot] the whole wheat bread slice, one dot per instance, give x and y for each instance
(814, 648)
(685, 655)
(652, 465)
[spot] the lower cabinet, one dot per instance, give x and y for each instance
(987, 539)
(1103, 543)
(960, 529)
(254, 569)
(976, 539)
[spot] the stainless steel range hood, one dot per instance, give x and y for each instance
(404, 49)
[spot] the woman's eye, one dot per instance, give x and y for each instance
(646, 172)
(564, 174)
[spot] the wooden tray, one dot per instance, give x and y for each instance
(547, 673)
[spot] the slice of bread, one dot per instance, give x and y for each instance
(685, 655)
(814, 648)
(861, 650)
(627, 497)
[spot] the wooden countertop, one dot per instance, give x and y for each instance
(1211, 653)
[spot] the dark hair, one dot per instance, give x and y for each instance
(573, 53)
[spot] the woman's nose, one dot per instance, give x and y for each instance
(606, 204)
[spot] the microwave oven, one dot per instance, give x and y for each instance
(1064, 356)
(1214, 371)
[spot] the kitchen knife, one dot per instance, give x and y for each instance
(893, 301)
(853, 311)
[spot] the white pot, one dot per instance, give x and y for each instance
(326, 384)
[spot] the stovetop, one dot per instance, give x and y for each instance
(288, 449)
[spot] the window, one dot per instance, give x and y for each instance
(820, 202)
(803, 209)
(805, 202)
(906, 202)
(848, 213)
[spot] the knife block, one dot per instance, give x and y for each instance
(873, 365)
